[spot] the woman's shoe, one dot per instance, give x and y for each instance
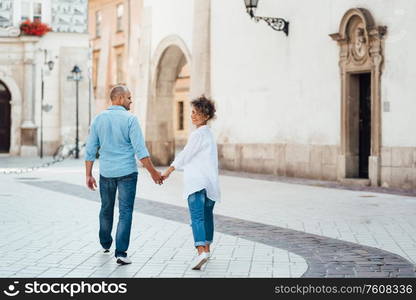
(199, 261)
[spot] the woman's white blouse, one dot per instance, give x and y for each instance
(199, 160)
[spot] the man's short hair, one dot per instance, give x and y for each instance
(118, 90)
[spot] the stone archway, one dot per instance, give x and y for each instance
(360, 62)
(16, 111)
(170, 57)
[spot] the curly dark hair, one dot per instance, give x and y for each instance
(205, 106)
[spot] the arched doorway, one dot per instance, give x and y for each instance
(5, 118)
(181, 109)
(360, 61)
(170, 72)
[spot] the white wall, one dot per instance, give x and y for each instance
(276, 89)
(60, 92)
(171, 18)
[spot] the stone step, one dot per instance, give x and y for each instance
(356, 181)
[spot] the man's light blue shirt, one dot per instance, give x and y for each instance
(119, 136)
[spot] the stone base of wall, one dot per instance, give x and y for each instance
(49, 148)
(398, 164)
(29, 151)
(398, 167)
(304, 161)
(162, 153)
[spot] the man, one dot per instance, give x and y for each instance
(118, 135)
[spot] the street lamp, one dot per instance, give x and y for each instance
(44, 107)
(50, 65)
(277, 24)
(76, 76)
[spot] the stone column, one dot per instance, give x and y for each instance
(201, 43)
(376, 37)
(28, 128)
(142, 89)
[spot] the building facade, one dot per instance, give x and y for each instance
(119, 41)
(38, 101)
(332, 100)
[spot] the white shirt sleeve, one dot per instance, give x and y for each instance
(193, 146)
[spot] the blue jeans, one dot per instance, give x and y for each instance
(126, 186)
(201, 210)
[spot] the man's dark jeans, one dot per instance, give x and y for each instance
(126, 186)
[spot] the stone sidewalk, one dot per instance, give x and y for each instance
(277, 230)
(50, 234)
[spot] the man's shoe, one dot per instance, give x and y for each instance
(106, 250)
(123, 260)
(199, 261)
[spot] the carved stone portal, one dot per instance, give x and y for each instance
(360, 62)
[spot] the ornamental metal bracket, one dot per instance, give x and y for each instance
(277, 24)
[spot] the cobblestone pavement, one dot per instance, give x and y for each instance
(326, 257)
(338, 232)
(50, 234)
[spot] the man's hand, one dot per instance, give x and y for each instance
(91, 183)
(157, 177)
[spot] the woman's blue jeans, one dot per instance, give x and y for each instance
(201, 210)
(126, 186)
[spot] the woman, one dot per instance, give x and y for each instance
(199, 159)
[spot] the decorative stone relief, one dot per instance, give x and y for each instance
(359, 49)
(6, 13)
(70, 15)
(5, 71)
(9, 32)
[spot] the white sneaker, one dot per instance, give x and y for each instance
(123, 260)
(106, 250)
(199, 261)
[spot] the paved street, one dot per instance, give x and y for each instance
(263, 229)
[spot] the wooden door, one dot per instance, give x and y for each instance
(5, 119)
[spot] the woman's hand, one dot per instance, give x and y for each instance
(165, 175)
(167, 172)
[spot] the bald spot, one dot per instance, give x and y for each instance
(117, 91)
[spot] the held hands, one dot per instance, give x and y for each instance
(91, 183)
(157, 177)
(165, 175)
(167, 172)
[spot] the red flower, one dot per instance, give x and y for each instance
(36, 27)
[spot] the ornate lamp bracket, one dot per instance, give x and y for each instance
(277, 24)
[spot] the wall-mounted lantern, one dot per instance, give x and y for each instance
(277, 24)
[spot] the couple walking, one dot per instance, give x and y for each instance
(117, 135)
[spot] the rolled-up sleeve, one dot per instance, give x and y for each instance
(193, 146)
(92, 144)
(137, 140)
